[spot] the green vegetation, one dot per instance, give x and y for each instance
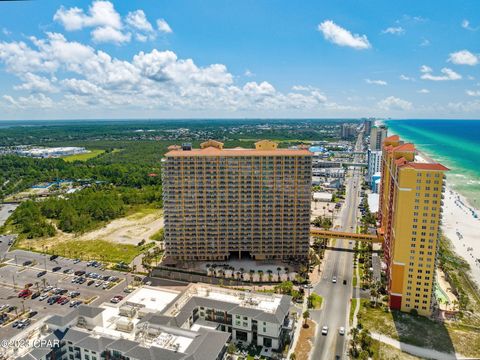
(159, 235)
(456, 271)
(419, 330)
(323, 222)
(286, 288)
(314, 301)
(98, 250)
(83, 157)
(81, 211)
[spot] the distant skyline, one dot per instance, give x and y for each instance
(239, 59)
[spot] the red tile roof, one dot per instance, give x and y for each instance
(211, 151)
(426, 166)
(405, 147)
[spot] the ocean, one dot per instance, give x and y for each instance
(454, 143)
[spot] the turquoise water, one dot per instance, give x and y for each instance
(454, 143)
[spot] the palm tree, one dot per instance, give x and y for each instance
(260, 275)
(278, 272)
(269, 275)
(242, 270)
(306, 315)
(251, 274)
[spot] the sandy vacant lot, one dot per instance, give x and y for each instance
(128, 230)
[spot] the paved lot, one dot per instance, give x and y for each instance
(14, 276)
(5, 211)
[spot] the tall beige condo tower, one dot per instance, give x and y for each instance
(377, 135)
(235, 203)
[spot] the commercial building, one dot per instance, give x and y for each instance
(377, 135)
(348, 131)
(221, 203)
(153, 323)
(374, 159)
(410, 212)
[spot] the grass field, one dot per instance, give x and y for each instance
(102, 250)
(421, 331)
(83, 157)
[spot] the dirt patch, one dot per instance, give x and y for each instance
(129, 230)
(305, 341)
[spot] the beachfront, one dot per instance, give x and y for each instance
(461, 225)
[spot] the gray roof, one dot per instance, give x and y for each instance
(95, 344)
(208, 344)
(154, 353)
(89, 311)
(59, 320)
(75, 336)
(122, 345)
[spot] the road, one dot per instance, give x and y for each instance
(339, 264)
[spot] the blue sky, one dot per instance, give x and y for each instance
(156, 59)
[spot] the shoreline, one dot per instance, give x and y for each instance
(460, 225)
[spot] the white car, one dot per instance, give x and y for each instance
(325, 330)
(341, 331)
(334, 280)
(42, 297)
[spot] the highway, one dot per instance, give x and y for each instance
(339, 264)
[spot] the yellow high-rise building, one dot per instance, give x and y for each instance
(410, 211)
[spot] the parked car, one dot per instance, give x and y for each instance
(43, 297)
(64, 301)
(41, 273)
(27, 263)
(32, 314)
(90, 282)
(73, 294)
(75, 303)
(341, 331)
(334, 279)
(79, 272)
(116, 299)
(35, 295)
(56, 268)
(81, 280)
(24, 293)
(60, 299)
(76, 261)
(53, 299)
(53, 257)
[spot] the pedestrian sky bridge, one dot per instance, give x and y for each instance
(345, 235)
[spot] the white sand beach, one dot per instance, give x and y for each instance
(463, 229)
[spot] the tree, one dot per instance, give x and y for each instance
(293, 356)
(232, 348)
(284, 287)
(306, 315)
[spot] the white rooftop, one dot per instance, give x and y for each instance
(151, 298)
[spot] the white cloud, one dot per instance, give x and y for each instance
(406, 78)
(101, 13)
(35, 83)
(163, 26)
(397, 30)
(342, 37)
(6, 32)
(248, 73)
(151, 80)
(107, 34)
(466, 25)
(376, 82)
(473, 92)
(423, 91)
(138, 20)
(394, 103)
(463, 57)
(40, 101)
(425, 42)
(448, 74)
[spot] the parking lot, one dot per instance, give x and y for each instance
(14, 277)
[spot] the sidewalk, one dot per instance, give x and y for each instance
(416, 350)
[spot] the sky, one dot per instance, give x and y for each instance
(239, 59)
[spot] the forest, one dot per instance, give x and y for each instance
(81, 211)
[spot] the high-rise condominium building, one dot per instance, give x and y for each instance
(377, 135)
(410, 213)
(221, 203)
